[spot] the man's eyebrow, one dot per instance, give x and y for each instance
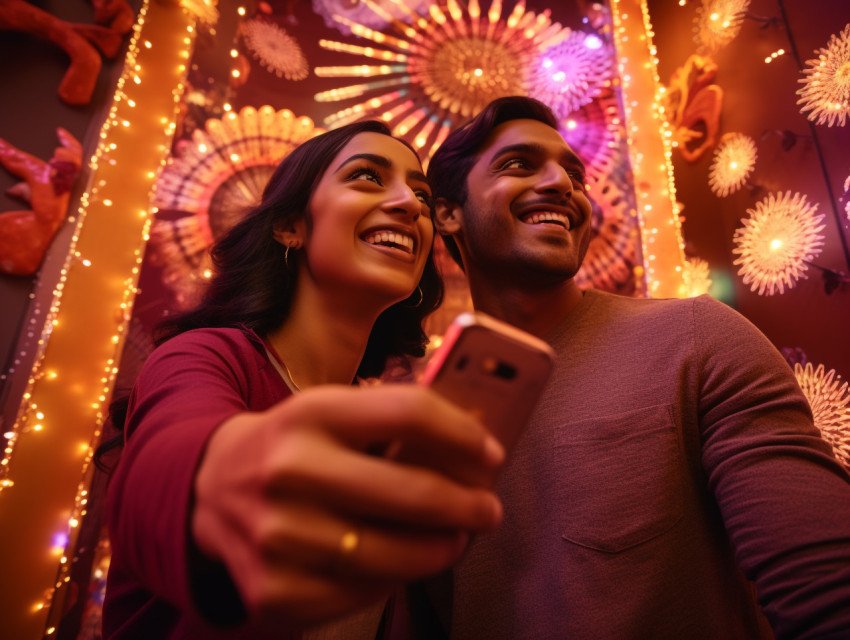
(383, 162)
(567, 157)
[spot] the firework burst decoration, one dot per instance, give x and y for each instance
(718, 22)
(360, 12)
(826, 83)
(829, 399)
(696, 277)
(274, 49)
(440, 70)
(595, 132)
(781, 235)
(570, 74)
(209, 184)
(733, 162)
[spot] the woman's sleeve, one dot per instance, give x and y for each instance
(186, 389)
(784, 498)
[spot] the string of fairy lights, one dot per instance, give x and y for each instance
(648, 135)
(133, 144)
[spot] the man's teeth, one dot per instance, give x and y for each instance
(548, 216)
(391, 239)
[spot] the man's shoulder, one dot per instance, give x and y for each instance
(603, 301)
(701, 313)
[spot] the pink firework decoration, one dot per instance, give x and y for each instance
(573, 72)
(441, 70)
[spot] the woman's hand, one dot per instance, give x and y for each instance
(310, 526)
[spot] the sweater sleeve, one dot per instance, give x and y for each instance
(186, 389)
(784, 498)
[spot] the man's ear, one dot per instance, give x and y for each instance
(447, 215)
(290, 234)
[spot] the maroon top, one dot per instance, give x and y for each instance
(188, 386)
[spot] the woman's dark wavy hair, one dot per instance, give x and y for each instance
(252, 284)
(451, 164)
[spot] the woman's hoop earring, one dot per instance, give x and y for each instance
(292, 244)
(418, 302)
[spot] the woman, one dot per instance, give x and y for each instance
(251, 499)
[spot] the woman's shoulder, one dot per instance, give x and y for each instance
(222, 341)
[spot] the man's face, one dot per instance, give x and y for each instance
(527, 214)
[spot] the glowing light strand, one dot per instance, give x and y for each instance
(42, 395)
(649, 141)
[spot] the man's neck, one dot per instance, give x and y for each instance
(537, 310)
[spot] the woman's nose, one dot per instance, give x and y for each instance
(402, 199)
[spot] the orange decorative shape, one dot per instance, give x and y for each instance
(25, 234)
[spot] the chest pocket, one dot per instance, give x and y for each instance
(619, 478)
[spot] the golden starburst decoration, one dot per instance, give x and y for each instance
(826, 82)
(209, 184)
(438, 70)
(733, 162)
(696, 277)
(718, 22)
(275, 49)
(829, 399)
(781, 235)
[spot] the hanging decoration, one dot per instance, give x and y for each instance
(717, 23)
(211, 182)
(696, 276)
(693, 105)
(25, 234)
(777, 241)
(274, 49)
(81, 42)
(829, 399)
(826, 82)
(733, 162)
(440, 70)
(361, 13)
(571, 73)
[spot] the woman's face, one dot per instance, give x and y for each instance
(371, 220)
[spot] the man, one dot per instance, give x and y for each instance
(671, 483)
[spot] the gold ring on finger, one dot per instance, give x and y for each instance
(348, 543)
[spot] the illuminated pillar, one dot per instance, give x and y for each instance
(649, 140)
(45, 468)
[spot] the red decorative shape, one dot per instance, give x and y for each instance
(25, 234)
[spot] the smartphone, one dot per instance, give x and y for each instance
(492, 369)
